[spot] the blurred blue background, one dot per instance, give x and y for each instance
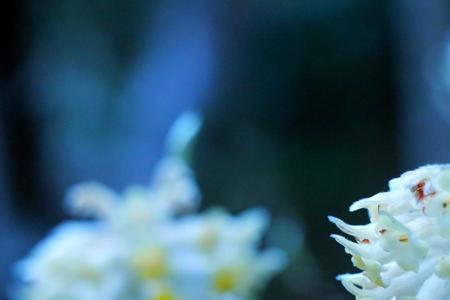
(308, 106)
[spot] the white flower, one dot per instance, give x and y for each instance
(404, 252)
(227, 249)
(148, 243)
(77, 261)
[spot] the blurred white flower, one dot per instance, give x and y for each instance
(149, 243)
(404, 252)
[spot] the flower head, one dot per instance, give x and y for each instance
(148, 243)
(404, 252)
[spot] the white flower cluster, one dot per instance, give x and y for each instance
(149, 244)
(404, 252)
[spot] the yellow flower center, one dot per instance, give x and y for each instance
(224, 281)
(89, 274)
(208, 239)
(166, 295)
(150, 264)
